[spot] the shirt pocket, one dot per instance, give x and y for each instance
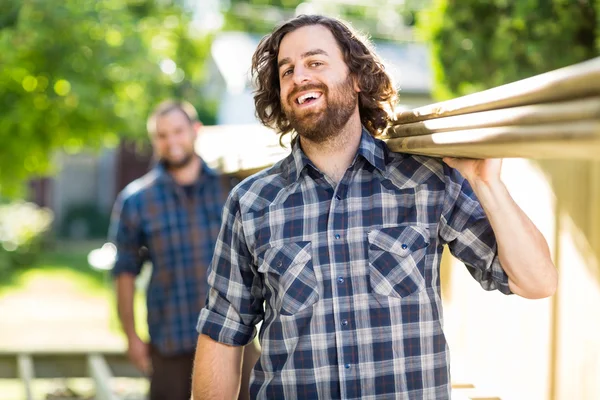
(289, 275)
(396, 258)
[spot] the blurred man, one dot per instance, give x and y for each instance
(336, 248)
(172, 217)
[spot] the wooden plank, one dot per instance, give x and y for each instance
(580, 140)
(594, 214)
(66, 363)
(576, 81)
(26, 373)
(101, 374)
(537, 114)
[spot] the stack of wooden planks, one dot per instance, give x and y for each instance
(549, 116)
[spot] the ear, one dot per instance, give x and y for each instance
(197, 126)
(355, 84)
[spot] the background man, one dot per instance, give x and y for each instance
(172, 216)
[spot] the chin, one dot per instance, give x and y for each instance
(178, 162)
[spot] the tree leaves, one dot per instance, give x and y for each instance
(77, 73)
(477, 45)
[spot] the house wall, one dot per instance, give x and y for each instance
(536, 349)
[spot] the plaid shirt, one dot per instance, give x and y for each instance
(346, 277)
(155, 219)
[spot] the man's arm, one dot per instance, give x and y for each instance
(124, 233)
(251, 357)
(217, 370)
(137, 350)
(522, 250)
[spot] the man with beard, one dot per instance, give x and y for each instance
(172, 217)
(336, 248)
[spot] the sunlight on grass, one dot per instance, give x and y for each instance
(62, 272)
(83, 388)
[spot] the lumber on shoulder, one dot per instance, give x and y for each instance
(536, 114)
(579, 140)
(573, 82)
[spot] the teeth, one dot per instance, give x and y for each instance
(311, 95)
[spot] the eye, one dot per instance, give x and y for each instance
(316, 64)
(287, 72)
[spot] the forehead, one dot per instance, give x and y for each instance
(174, 116)
(172, 119)
(307, 38)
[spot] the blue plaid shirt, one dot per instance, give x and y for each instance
(155, 219)
(345, 278)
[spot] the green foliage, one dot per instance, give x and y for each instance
(77, 73)
(381, 19)
(597, 9)
(477, 45)
(23, 227)
(84, 221)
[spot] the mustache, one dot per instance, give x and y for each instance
(308, 86)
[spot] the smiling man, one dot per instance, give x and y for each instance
(337, 247)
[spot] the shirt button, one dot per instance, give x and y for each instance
(340, 280)
(345, 322)
(404, 246)
(337, 197)
(347, 366)
(337, 236)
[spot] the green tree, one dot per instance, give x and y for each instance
(381, 19)
(77, 73)
(481, 44)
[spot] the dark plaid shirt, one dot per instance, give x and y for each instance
(155, 219)
(345, 278)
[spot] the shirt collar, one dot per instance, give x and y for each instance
(371, 149)
(166, 177)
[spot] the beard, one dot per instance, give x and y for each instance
(320, 125)
(182, 162)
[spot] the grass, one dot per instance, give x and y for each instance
(67, 264)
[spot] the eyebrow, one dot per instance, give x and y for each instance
(309, 53)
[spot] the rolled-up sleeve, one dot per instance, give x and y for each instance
(234, 305)
(468, 233)
(125, 234)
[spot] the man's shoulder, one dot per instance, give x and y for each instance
(413, 170)
(137, 188)
(264, 186)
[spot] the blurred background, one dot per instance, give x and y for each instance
(79, 77)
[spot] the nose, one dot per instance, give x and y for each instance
(300, 75)
(171, 140)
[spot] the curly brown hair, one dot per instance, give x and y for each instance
(376, 87)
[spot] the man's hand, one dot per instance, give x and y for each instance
(139, 354)
(522, 249)
(486, 171)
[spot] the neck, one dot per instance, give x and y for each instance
(187, 174)
(334, 156)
